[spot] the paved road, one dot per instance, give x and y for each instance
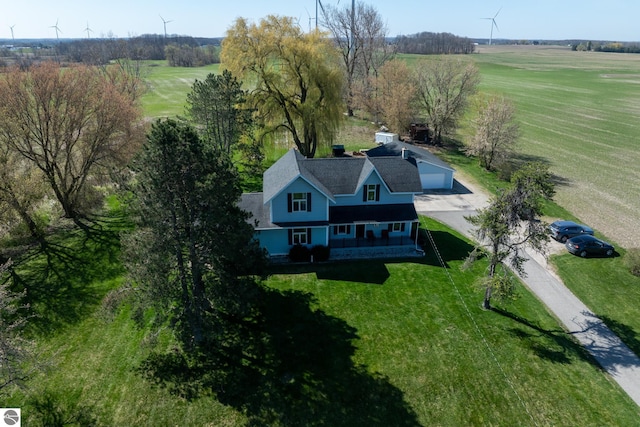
(610, 352)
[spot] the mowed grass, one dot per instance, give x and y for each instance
(407, 340)
(167, 87)
(421, 328)
(579, 111)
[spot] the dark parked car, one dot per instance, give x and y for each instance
(588, 245)
(563, 230)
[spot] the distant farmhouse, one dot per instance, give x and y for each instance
(356, 204)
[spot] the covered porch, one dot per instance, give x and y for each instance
(371, 240)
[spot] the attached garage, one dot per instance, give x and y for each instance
(435, 174)
(435, 177)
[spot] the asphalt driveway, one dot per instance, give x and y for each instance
(612, 354)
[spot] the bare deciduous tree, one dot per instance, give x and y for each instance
(21, 189)
(360, 34)
(15, 351)
(508, 225)
(444, 86)
(496, 132)
(72, 124)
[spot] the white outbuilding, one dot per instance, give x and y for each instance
(386, 137)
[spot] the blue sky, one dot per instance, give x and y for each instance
(615, 20)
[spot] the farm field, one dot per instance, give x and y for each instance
(580, 111)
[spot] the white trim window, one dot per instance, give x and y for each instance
(299, 236)
(299, 202)
(396, 227)
(342, 229)
(371, 192)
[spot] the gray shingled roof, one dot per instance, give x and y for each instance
(341, 175)
(252, 203)
(400, 175)
(395, 149)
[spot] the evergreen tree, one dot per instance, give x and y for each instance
(193, 252)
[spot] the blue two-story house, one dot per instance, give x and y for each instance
(340, 202)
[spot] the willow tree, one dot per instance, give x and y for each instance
(297, 82)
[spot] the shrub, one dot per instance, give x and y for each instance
(632, 261)
(299, 253)
(505, 169)
(320, 253)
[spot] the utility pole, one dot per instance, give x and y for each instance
(353, 23)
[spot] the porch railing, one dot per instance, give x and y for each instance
(363, 242)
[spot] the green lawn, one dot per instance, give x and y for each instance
(167, 87)
(371, 343)
(585, 103)
(453, 363)
(580, 111)
(608, 289)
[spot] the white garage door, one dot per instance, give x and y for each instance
(432, 180)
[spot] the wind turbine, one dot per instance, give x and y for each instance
(11, 26)
(493, 24)
(57, 29)
(310, 18)
(88, 30)
(165, 26)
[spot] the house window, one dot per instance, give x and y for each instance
(396, 226)
(371, 193)
(299, 236)
(342, 229)
(299, 202)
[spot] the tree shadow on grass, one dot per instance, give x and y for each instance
(289, 365)
(555, 345)
(373, 271)
(449, 246)
(66, 279)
